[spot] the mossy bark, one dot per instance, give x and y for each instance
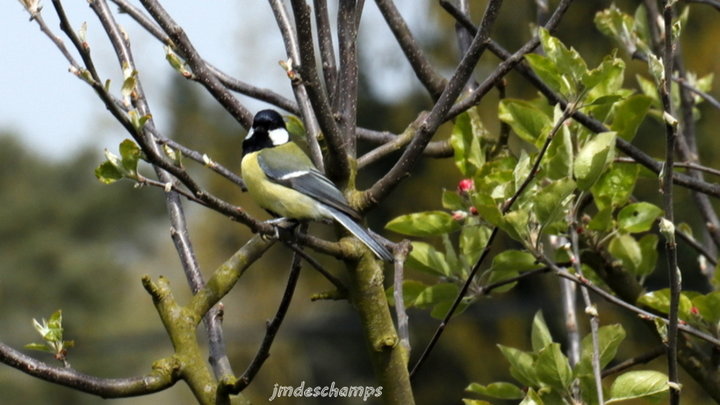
(389, 358)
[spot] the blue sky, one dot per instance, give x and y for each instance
(57, 114)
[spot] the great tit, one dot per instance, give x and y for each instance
(282, 179)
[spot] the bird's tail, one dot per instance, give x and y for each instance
(362, 234)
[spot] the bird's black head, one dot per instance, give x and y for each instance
(268, 130)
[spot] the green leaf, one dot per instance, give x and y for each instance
(426, 258)
(473, 239)
(107, 173)
(526, 120)
(487, 208)
(637, 384)
(625, 248)
(440, 310)
(550, 202)
(609, 339)
(515, 223)
(602, 221)
(615, 186)
(467, 401)
(648, 249)
(547, 71)
(521, 365)
(429, 223)
(435, 294)
(606, 79)
(628, 114)
(553, 368)
(129, 82)
(176, 62)
(411, 290)
(500, 390)
(130, 154)
(660, 301)
(568, 62)
(708, 307)
(465, 141)
(42, 347)
(514, 260)
(558, 161)
(649, 89)
(540, 334)
(619, 26)
(593, 158)
(532, 398)
(638, 217)
(451, 200)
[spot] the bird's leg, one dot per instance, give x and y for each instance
(290, 225)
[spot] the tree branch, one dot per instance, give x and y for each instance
(292, 50)
(428, 123)
(157, 380)
(338, 164)
(433, 82)
(271, 331)
(199, 67)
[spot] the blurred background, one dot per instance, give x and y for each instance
(69, 242)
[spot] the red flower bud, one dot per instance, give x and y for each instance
(466, 185)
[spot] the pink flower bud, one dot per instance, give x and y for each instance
(459, 215)
(466, 185)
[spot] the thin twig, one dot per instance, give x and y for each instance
(327, 51)
(427, 75)
(271, 331)
(200, 69)
(634, 361)
(345, 106)
(400, 312)
(476, 267)
(292, 50)
(590, 308)
(713, 3)
(338, 163)
(430, 122)
(667, 191)
(178, 223)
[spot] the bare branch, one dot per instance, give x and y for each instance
(427, 124)
(178, 223)
(508, 64)
(271, 331)
(301, 95)
(338, 164)
(433, 82)
(327, 52)
(347, 83)
(197, 64)
(713, 3)
(228, 81)
(103, 387)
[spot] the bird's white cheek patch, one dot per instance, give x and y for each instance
(279, 136)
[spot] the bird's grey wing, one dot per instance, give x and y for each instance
(299, 174)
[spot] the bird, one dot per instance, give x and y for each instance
(281, 178)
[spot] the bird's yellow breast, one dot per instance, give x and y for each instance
(277, 198)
